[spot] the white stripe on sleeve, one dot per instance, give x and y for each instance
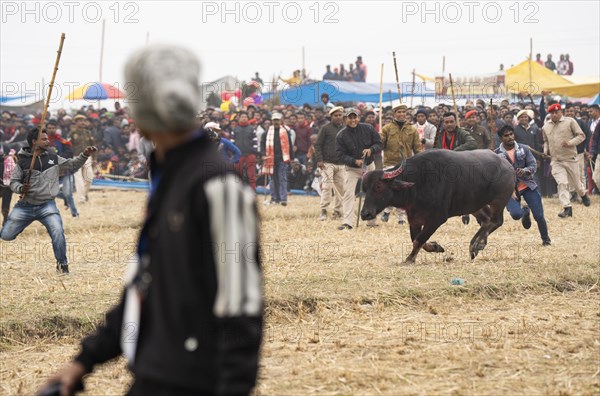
(234, 230)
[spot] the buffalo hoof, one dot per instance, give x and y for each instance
(409, 260)
(476, 247)
(433, 247)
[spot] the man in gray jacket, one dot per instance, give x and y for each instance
(38, 191)
(332, 170)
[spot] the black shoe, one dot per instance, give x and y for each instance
(586, 200)
(75, 215)
(62, 268)
(546, 242)
(573, 197)
(401, 222)
(466, 219)
(526, 219)
(385, 217)
(345, 227)
(283, 203)
(336, 215)
(567, 212)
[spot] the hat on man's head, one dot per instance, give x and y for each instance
(336, 108)
(554, 107)
(399, 106)
(470, 113)
(351, 110)
(276, 116)
(421, 111)
(79, 117)
(212, 125)
(529, 113)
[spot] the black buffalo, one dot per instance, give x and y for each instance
(435, 185)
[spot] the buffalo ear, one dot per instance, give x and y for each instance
(400, 185)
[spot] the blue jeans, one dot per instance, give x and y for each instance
(24, 214)
(66, 193)
(534, 201)
(279, 183)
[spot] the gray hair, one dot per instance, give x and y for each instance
(166, 94)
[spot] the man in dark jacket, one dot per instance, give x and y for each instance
(190, 318)
(355, 146)
(521, 158)
(452, 137)
(244, 137)
(332, 170)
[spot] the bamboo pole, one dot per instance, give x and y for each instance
(454, 101)
(381, 99)
(47, 104)
(397, 79)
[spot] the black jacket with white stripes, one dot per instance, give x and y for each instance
(200, 326)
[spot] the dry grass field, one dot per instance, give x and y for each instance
(344, 315)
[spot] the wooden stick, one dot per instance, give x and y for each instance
(37, 141)
(381, 100)
(454, 101)
(412, 90)
(397, 79)
(492, 124)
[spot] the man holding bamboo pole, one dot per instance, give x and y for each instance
(39, 186)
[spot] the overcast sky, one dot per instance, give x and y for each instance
(477, 40)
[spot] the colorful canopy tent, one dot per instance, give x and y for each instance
(344, 91)
(96, 91)
(19, 103)
(518, 78)
(577, 90)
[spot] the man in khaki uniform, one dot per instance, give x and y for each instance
(561, 137)
(398, 137)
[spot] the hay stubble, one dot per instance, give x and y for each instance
(343, 314)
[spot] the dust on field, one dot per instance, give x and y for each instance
(344, 315)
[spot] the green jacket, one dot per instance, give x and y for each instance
(462, 142)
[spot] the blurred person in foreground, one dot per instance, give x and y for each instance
(189, 320)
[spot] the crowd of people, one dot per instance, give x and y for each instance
(564, 67)
(250, 138)
(356, 71)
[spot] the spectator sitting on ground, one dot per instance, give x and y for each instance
(296, 176)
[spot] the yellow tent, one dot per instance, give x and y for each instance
(586, 90)
(542, 79)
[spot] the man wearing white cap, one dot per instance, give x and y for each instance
(355, 145)
(332, 169)
(277, 151)
(526, 132)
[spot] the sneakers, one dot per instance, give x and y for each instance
(466, 219)
(345, 227)
(336, 215)
(546, 242)
(323, 216)
(586, 200)
(567, 212)
(62, 268)
(526, 219)
(385, 217)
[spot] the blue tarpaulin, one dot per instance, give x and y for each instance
(137, 185)
(344, 91)
(595, 100)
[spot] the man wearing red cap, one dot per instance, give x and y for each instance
(561, 136)
(479, 133)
